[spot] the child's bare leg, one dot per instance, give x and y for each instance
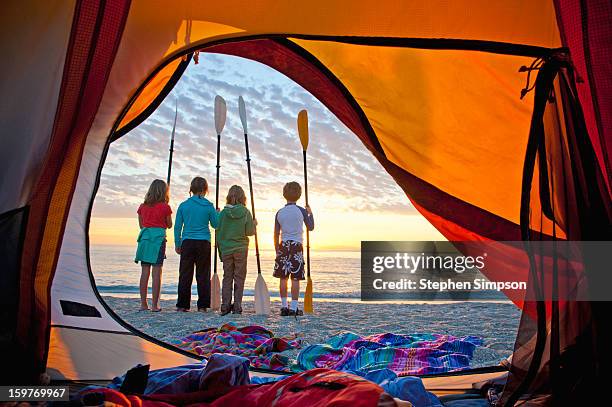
(157, 273)
(295, 289)
(295, 294)
(283, 291)
(144, 285)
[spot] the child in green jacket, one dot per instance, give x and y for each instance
(235, 224)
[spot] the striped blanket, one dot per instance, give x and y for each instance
(417, 354)
(255, 343)
(403, 354)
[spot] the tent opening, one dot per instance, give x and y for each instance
(352, 196)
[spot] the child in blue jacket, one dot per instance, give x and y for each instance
(192, 242)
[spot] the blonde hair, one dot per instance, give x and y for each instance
(198, 186)
(158, 192)
(235, 196)
(292, 191)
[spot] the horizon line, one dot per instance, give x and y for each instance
(325, 248)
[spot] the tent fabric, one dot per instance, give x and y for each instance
(30, 36)
(476, 217)
(93, 42)
(586, 30)
(448, 138)
(13, 231)
(426, 86)
(190, 22)
(84, 353)
(152, 90)
(152, 94)
(559, 342)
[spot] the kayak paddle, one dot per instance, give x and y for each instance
(303, 133)
(262, 296)
(172, 144)
(220, 115)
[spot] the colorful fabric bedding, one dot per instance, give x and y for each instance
(222, 373)
(255, 343)
(407, 388)
(219, 369)
(315, 388)
(403, 354)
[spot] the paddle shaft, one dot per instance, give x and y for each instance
(307, 231)
(217, 194)
(248, 160)
(172, 146)
(170, 160)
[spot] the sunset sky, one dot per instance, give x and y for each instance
(352, 197)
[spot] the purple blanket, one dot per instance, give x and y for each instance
(255, 343)
(418, 354)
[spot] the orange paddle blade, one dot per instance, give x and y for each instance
(303, 128)
(308, 297)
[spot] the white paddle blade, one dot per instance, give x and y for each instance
(215, 292)
(220, 113)
(302, 122)
(262, 296)
(242, 111)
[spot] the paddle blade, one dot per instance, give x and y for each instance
(242, 112)
(215, 292)
(308, 297)
(220, 113)
(303, 128)
(262, 296)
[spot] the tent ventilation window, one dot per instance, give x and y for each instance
(76, 309)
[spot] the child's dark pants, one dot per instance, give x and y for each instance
(194, 252)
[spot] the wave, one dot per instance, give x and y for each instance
(172, 289)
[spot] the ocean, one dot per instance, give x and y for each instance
(336, 274)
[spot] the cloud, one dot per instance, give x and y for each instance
(343, 175)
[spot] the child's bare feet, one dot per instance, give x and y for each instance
(156, 309)
(143, 308)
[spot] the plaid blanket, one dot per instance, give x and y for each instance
(418, 354)
(254, 342)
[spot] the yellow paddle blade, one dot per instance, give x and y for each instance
(308, 297)
(303, 128)
(215, 292)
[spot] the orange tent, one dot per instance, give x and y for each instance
(432, 89)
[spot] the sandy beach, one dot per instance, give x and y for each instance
(496, 323)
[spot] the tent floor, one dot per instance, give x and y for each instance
(450, 398)
(453, 390)
(468, 399)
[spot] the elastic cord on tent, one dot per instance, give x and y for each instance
(535, 65)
